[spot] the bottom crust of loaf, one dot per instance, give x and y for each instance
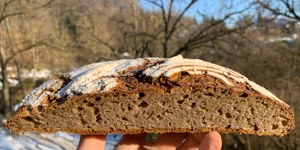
(139, 131)
(178, 111)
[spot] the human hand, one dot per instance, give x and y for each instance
(168, 141)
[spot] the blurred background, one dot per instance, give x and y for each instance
(41, 39)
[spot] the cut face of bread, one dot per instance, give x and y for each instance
(152, 95)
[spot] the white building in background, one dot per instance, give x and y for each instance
(289, 40)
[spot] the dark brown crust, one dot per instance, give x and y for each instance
(133, 81)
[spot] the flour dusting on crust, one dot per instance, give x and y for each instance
(96, 77)
(196, 66)
(179, 64)
(102, 77)
(36, 96)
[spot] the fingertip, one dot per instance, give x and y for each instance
(132, 141)
(211, 141)
(91, 142)
(167, 141)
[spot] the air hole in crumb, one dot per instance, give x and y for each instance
(40, 108)
(98, 99)
(193, 105)
(255, 127)
(248, 119)
(141, 95)
(274, 127)
(124, 118)
(96, 111)
(204, 122)
(252, 110)
(98, 118)
(143, 104)
(29, 119)
(29, 109)
(85, 101)
(228, 115)
(223, 92)
(185, 96)
(244, 95)
(284, 123)
(184, 73)
(265, 104)
(220, 112)
(129, 107)
(83, 122)
(90, 105)
(210, 94)
(228, 126)
(80, 108)
(180, 101)
(158, 117)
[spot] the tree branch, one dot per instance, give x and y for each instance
(161, 6)
(200, 37)
(6, 61)
(170, 11)
(10, 15)
(291, 13)
(173, 28)
(6, 3)
(4, 16)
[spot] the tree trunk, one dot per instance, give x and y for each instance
(19, 77)
(5, 86)
(5, 92)
(165, 46)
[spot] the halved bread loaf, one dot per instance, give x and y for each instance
(152, 95)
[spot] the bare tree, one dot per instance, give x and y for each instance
(170, 26)
(286, 8)
(8, 53)
(206, 32)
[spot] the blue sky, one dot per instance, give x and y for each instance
(212, 8)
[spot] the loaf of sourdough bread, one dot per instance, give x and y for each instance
(152, 95)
